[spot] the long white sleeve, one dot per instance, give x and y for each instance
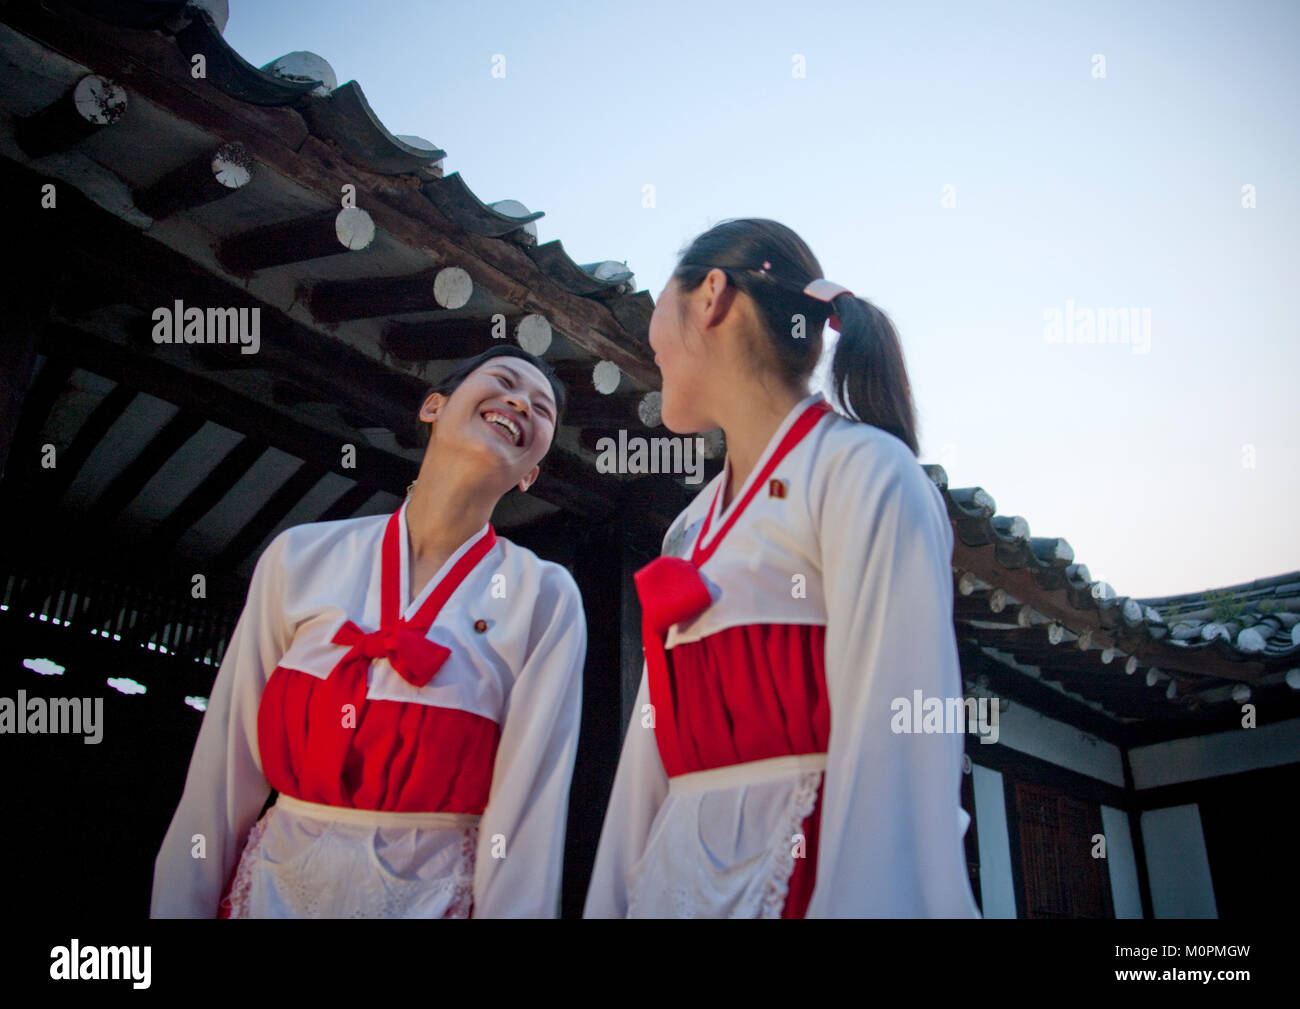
(520, 858)
(640, 787)
(225, 788)
(890, 820)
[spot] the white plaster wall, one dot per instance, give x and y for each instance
(1177, 864)
(997, 891)
(1221, 753)
(1122, 863)
(1026, 730)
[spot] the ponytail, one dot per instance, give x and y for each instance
(771, 264)
(868, 375)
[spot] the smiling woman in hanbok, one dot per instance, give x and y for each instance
(410, 686)
(805, 590)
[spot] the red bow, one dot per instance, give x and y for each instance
(671, 590)
(414, 656)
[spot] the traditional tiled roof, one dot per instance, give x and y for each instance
(342, 117)
(1254, 619)
(223, 187)
(1026, 597)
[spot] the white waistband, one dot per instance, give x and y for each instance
(374, 817)
(749, 773)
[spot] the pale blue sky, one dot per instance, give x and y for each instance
(1122, 192)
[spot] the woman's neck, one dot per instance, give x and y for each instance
(443, 513)
(749, 418)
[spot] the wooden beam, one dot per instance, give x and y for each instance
(70, 459)
(123, 488)
(578, 377)
(565, 481)
(329, 233)
(205, 179)
(222, 404)
(507, 272)
(149, 275)
(375, 297)
(161, 542)
(286, 392)
(268, 516)
(1004, 681)
(440, 340)
(91, 104)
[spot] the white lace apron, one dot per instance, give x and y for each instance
(724, 842)
(305, 860)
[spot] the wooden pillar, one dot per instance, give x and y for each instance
(603, 565)
(636, 554)
(596, 570)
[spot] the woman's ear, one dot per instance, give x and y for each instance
(430, 407)
(529, 480)
(717, 297)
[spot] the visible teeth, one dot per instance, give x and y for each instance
(492, 417)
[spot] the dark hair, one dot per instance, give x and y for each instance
(868, 375)
(450, 381)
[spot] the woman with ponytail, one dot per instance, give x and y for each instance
(802, 604)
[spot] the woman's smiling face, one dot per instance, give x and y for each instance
(502, 413)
